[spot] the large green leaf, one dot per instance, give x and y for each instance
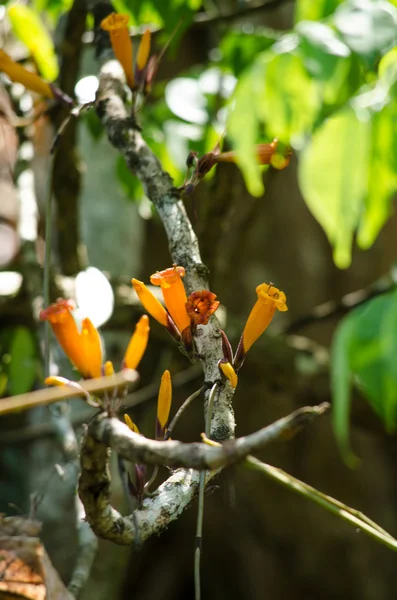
(333, 178)
(289, 101)
(243, 129)
(22, 369)
(364, 350)
(382, 175)
(27, 27)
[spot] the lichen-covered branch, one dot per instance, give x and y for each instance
(175, 494)
(124, 133)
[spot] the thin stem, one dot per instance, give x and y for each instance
(180, 412)
(47, 265)
(339, 509)
(200, 510)
(151, 479)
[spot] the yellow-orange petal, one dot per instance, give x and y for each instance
(58, 381)
(19, 74)
(131, 423)
(269, 300)
(150, 302)
(108, 368)
(137, 345)
(117, 27)
(65, 329)
(164, 400)
(89, 359)
(143, 50)
(229, 373)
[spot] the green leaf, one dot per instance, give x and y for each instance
(367, 27)
(29, 29)
(388, 67)
(341, 385)
(314, 11)
(289, 100)
(23, 365)
(382, 175)
(333, 178)
(239, 49)
(243, 128)
(364, 350)
(322, 50)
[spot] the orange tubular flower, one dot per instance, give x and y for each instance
(138, 342)
(269, 300)
(174, 294)
(116, 25)
(163, 404)
(83, 349)
(200, 306)
(19, 74)
(143, 50)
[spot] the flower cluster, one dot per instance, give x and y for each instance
(83, 347)
(139, 73)
(184, 313)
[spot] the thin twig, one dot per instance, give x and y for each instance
(200, 509)
(181, 410)
(351, 515)
(337, 308)
(47, 264)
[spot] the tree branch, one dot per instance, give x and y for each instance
(177, 492)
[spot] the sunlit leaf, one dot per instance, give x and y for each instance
(243, 130)
(288, 101)
(314, 11)
(367, 27)
(381, 174)
(29, 29)
(333, 178)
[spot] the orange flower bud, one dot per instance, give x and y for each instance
(163, 404)
(150, 302)
(108, 368)
(83, 349)
(19, 74)
(174, 294)
(228, 372)
(200, 306)
(131, 424)
(116, 25)
(137, 345)
(269, 300)
(143, 50)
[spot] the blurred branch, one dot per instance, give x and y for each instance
(66, 171)
(351, 515)
(15, 404)
(250, 10)
(173, 496)
(337, 308)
